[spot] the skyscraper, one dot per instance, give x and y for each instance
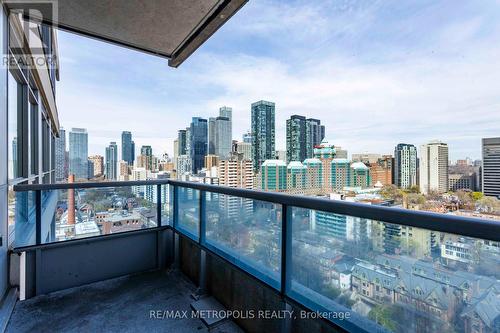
(315, 134)
(405, 165)
(181, 137)
(147, 157)
(212, 135)
(434, 167)
(296, 139)
(60, 147)
(198, 142)
(98, 163)
(491, 166)
(78, 153)
(263, 132)
(223, 139)
(111, 161)
(128, 153)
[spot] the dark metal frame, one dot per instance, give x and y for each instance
(465, 226)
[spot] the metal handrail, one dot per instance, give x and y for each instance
(460, 225)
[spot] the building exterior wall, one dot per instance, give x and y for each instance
(263, 133)
(434, 167)
(491, 166)
(405, 165)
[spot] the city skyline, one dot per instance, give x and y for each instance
(412, 81)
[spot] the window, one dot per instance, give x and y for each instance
(33, 139)
(13, 127)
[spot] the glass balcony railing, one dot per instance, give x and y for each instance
(56, 214)
(363, 267)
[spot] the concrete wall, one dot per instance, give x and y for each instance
(62, 266)
(237, 290)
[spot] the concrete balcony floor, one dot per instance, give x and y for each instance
(117, 305)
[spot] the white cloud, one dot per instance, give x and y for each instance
(372, 79)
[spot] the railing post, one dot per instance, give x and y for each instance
(158, 205)
(201, 240)
(38, 217)
(202, 225)
(175, 221)
(286, 249)
(175, 206)
(286, 264)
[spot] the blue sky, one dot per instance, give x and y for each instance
(375, 72)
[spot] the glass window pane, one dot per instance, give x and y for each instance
(81, 213)
(389, 276)
(247, 232)
(13, 136)
(34, 138)
(189, 212)
(166, 204)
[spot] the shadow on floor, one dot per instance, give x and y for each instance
(123, 304)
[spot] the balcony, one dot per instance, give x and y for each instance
(275, 262)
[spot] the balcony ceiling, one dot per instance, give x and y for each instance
(170, 28)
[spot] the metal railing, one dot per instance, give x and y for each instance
(458, 225)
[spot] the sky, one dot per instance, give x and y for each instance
(376, 73)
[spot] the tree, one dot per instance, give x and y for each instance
(383, 315)
(489, 204)
(477, 196)
(391, 192)
(413, 189)
(415, 199)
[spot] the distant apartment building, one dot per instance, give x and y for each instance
(381, 171)
(296, 139)
(184, 165)
(460, 181)
(434, 167)
(145, 159)
(61, 167)
(181, 139)
(302, 135)
(341, 153)
(78, 153)
(367, 158)
(224, 132)
(235, 172)
(263, 132)
(491, 166)
(198, 143)
(123, 170)
(220, 133)
(111, 162)
(211, 161)
(315, 134)
(297, 178)
(128, 148)
(90, 169)
(360, 175)
(273, 176)
(405, 165)
(98, 165)
(244, 148)
(223, 137)
(212, 130)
